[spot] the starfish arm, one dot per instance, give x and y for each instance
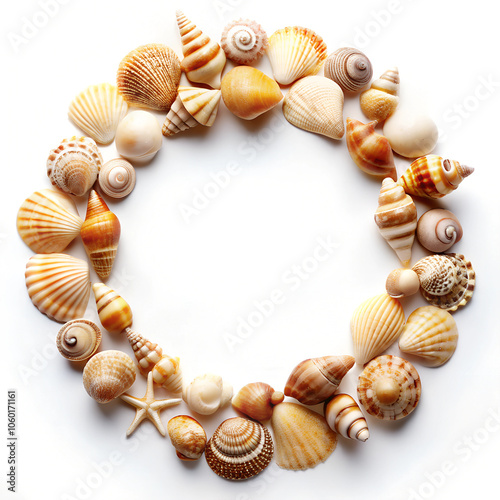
(135, 402)
(139, 417)
(154, 416)
(161, 404)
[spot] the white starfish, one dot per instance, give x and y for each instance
(148, 407)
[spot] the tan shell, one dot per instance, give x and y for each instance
(207, 393)
(108, 374)
(146, 352)
(402, 283)
(438, 230)
(78, 339)
(187, 436)
(389, 388)
(315, 104)
(381, 99)
(349, 68)
(167, 373)
(257, 400)
(244, 41)
(344, 416)
(117, 178)
(114, 313)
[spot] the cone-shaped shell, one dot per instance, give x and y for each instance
(204, 59)
(375, 325)
(58, 285)
(438, 230)
(48, 221)
(97, 111)
(295, 52)
(244, 41)
(78, 339)
(187, 436)
(117, 178)
(314, 380)
(315, 104)
(239, 449)
(108, 374)
(302, 437)
(350, 68)
(247, 92)
(370, 151)
(381, 99)
(344, 416)
(389, 388)
(146, 352)
(257, 400)
(114, 313)
(433, 177)
(396, 218)
(207, 393)
(178, 119)
(167, 373)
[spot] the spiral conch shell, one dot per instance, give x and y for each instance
(187, 436)
(203, 60)
(146, 352)
(207, 393)
(350, 68)
(315, 104)
(114, 312)
(438, 230)
(167, 373)
(78, 339)
(396, 218)
(117, 178)
(257, 400)
(344, 416)
(381, 99)
(244, 41)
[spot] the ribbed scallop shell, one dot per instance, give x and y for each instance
(58, 285)
(257, 400)
(344, 416)
(438, 230)
(314, 380)
(207, 393)
(78, 339)
(389, 388)
(316, 104)
(114, 312)
(146, 352)
(97, 111)
(381, 99)
(117, 178)
(302, 437)
(295, 52)
(402, 283)
(74, 165)
(108, 374)
(375, 325)
(244, 41)
(48, 221)
(187, 436)
(349, 68)
(167, 373)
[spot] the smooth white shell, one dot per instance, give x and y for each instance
(207, 393)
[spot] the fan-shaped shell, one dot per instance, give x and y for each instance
(239, 449)
(117, 178)
(402, 283)
(207, 393)
(389, 387)
(244, 41)
(146, 352)
(381, 99)
(438, 230)
(349, 68)
(78, 339)
(344, 416)
(114, 313)
(97, 111)
(187, 436)
(48, 221)
(167, 373)
(257, 400)
(58, 285)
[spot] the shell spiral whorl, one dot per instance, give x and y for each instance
(117, 178)
(349, 68)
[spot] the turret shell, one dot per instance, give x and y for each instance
(79, 339)
(349, 68)
(146, 352)
(344, 417)
(167, 373)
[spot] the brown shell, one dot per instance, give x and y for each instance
(114, 312)
(257, 400)
(187, 436)
(350, 68)
(146, 352)
(78, 339)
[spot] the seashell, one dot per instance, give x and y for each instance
(344, 417)
(203, 60)
(117, 178)
(396, 218)
(375, 325)
(108, 374)
(97, 111)
(177, 119)
(58, 285)
(446, 281)
(148, 76)
(314, 380)
(74, 165)
(248, 93)
(295, 52)
(431, 334)
(315, 104)
(389, 387)
(48, 221)
(438, 230)
(138, 137)
(78, 339)
(381, 99)
(302, 437)
(114, 313)
(370, 151)
(257, 400)
(402, 283)
(244, 41)
(433, 177)
(167, 373)
(146, 352)
(239, 449)
(207, 393)
(187, 436)
(349, 68)
(100, 235)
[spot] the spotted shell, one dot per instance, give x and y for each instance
(344, 416)
(78, 339)
(244, 41)
(146, 352)
(114, 312)
(257, 400)
(187, 436)
(117, 178)
(350, 68)
(438, 230)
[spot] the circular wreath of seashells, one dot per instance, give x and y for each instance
(389, 387)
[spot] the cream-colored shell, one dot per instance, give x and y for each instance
(146, 352)
(78, 339)
(381, 99)
(244, 41)
(344, 417)
(167, 373)
(350, 68)
(438, 230)
(402, 283)
(207, 393)
(257, 400)
(117, 178)
(114, 312)
(187, 436)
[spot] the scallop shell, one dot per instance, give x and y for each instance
(396, 218)
(344, 416)
(349, 68)
(431, 334)
(375, 325)
(74, 165)
(314, 380)
(257, 400)
(239, 449)
(146, 352)
(97, 111)
(370, 151)
(295, 52)
(207, 393)
(244, 41)
(389, 388)
(302, 437)
(167, 373)
(148, 76)
(48, 221)
(100, 235)
(315, 104)
(187, 436)
(248, 93)
(58, 285)
(117, 178)
(438, 230)
(381, 99)
(402, 283)
(114, 313)
(78, 339)
(108, 374)
(203, 60)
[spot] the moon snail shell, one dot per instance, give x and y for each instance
(117, 178)
(438, 230)
(78, 339)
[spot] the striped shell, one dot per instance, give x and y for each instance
(187, 436)
(381, 99)
(438, 230)
(257, 400)
(167, 373)
(350, 68)
(78, 339)
(147, 353)
(244, 41)
(344, 416)
(117, 178)
(114, 313)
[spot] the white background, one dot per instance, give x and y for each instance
(190, 281)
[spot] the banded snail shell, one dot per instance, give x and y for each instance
(78, 339)
(349, 68)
